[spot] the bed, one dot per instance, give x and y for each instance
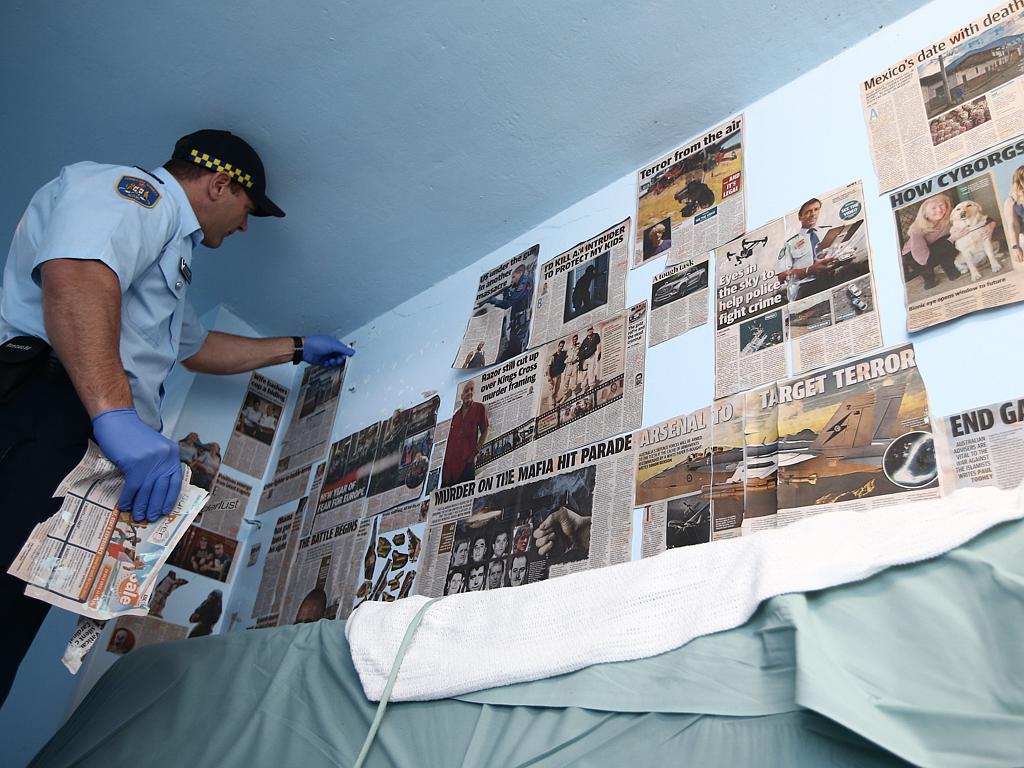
(917, 665)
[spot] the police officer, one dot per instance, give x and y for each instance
(518, 298)
(94, 316)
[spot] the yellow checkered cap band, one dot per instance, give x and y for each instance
(214, 164)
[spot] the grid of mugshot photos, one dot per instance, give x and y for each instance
(510, 538)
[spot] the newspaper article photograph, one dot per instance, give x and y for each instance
(583, 285)
(391, 544)
(494, 420)
(309, 432)
(248, 448)
(596, 394)
(402, 456)
(670, 456)
(205, 553)
(131, 632)
(502, 316)
(760, 453)
(858, 434)
(749, 299)
(202, 458)
(983, 447)
(960, 237)
(796, 294)
(347, 477)
(691, 200)
(679, 299)
(542, 519)
(953, 98)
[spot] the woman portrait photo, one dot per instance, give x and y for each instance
(1013, 214)
(928, 246)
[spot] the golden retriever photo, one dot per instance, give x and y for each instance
(971, 233)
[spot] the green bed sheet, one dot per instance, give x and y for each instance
(919, 665)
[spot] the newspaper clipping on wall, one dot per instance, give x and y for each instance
(983, 447)
(391, 544)
(547, 518)
(691, 200)
(499, 326)
(570, 391)
(950, 99)
(854, 436)
(286, 486)
(961, 237)
(284, 540)
(690, 477)
(202, 458)
(309, 431)
(224, 511)
(92, 559)
(679, 299)
(800, 287)
(583, 285)
(253, 435)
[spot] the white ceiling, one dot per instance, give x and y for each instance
(404, 139)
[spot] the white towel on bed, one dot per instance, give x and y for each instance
(480, 640)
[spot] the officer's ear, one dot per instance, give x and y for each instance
(219, 185)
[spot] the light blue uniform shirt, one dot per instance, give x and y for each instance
(145, 232)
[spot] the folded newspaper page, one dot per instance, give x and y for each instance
(983, 446)
(499, 326)
(255, 426)
(92, 559)
(796, 294)
(691, 200)
(391, 544)
(584, 285)
(570, 391)
(679, 299)
(961, 237)
(950, 99)
(543, 519)
(854, 436)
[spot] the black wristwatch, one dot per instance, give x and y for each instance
(297, 354)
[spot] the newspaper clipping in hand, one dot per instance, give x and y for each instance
(691, 200)
(961, 235)
(253, 436)
(583, 285)
(499, 326)
(983, 447)
(950, 99)
(309, 431)
(546, 518)
(805, 279)
(94, 560)
(679, 299)
(391, 544)
(570, 391)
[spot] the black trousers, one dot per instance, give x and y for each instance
(44, 431)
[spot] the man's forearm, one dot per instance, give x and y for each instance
(82, 315)
(225, 353)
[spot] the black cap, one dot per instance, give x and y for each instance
(223, 151)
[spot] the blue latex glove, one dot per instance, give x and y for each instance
(149, 462)
(325, 351)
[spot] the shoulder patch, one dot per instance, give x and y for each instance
(138, 190)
